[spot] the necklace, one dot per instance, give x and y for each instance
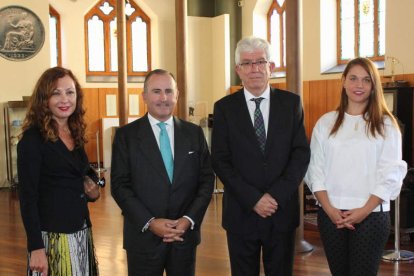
(64, 129)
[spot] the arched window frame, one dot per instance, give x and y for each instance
(376, 56)
(56, 15)
(106, 19)
(281, 10)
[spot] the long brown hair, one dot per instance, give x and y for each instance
(40, 116)
(376, 109)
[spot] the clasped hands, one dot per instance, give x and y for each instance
(266, 206)
(346, 219)
(169, 230)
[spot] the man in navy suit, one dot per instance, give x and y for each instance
(260, 153)
(163, 202)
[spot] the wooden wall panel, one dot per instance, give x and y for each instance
(306, 108)
(333, 94)
(317, 102)
(103, 92)
(235, 88)
(92, 119)
(142, 105)
(282, 85)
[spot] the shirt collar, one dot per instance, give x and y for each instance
(265, 95)
(153, 121)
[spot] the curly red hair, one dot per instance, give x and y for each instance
(40, 116)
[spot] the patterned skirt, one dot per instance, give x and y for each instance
(69, 254)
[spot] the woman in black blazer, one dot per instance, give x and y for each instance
(54, 188)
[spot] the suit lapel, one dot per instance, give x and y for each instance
(245, 122)
(275, 116)
(181, 149)
(148, 146)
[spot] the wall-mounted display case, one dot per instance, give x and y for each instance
(14, 113)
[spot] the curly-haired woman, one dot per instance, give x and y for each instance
(54, 188)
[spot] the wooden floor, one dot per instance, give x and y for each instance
(212, 256)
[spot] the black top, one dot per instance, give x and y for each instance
(51, 190)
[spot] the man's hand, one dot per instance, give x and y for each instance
(166, 229)
(266, 206)
(182, 224)
(38, 261)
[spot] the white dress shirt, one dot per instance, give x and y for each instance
(351, 165)
(264, 105)
(169, 126)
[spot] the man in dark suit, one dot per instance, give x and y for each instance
(163, 186)
(260, 153)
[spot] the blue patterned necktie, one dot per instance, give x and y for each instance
(165, 149)
(259, 124)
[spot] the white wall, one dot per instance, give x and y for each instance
(221, 68)
(208, 62)
(399, 39)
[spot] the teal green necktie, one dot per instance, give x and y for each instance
(165, 149)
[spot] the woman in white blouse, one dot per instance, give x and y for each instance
(356, 168)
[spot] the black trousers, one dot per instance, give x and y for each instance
(355, 252)
(277, 249)
(175, 260)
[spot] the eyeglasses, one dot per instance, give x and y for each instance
(261, 64)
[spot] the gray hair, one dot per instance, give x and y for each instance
(249, 44)
(157, 72)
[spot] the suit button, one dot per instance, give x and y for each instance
(265, 165)
(82, 195)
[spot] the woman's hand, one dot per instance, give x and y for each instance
(91, 188)
(38, 261)
(357, 215)
(354, 216)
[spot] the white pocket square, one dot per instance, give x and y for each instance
(191, 152)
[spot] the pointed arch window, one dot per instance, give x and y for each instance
(361, 29)
(101, 41)
(55, 42)
(276, 34)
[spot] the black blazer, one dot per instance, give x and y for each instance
(51, 190)
(246, 173)
(140, 184)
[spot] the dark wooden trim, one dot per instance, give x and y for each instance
(56, 15)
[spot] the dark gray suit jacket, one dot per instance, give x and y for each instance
(246, 173)
(140, 184)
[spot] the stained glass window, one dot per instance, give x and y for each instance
(361, 29)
